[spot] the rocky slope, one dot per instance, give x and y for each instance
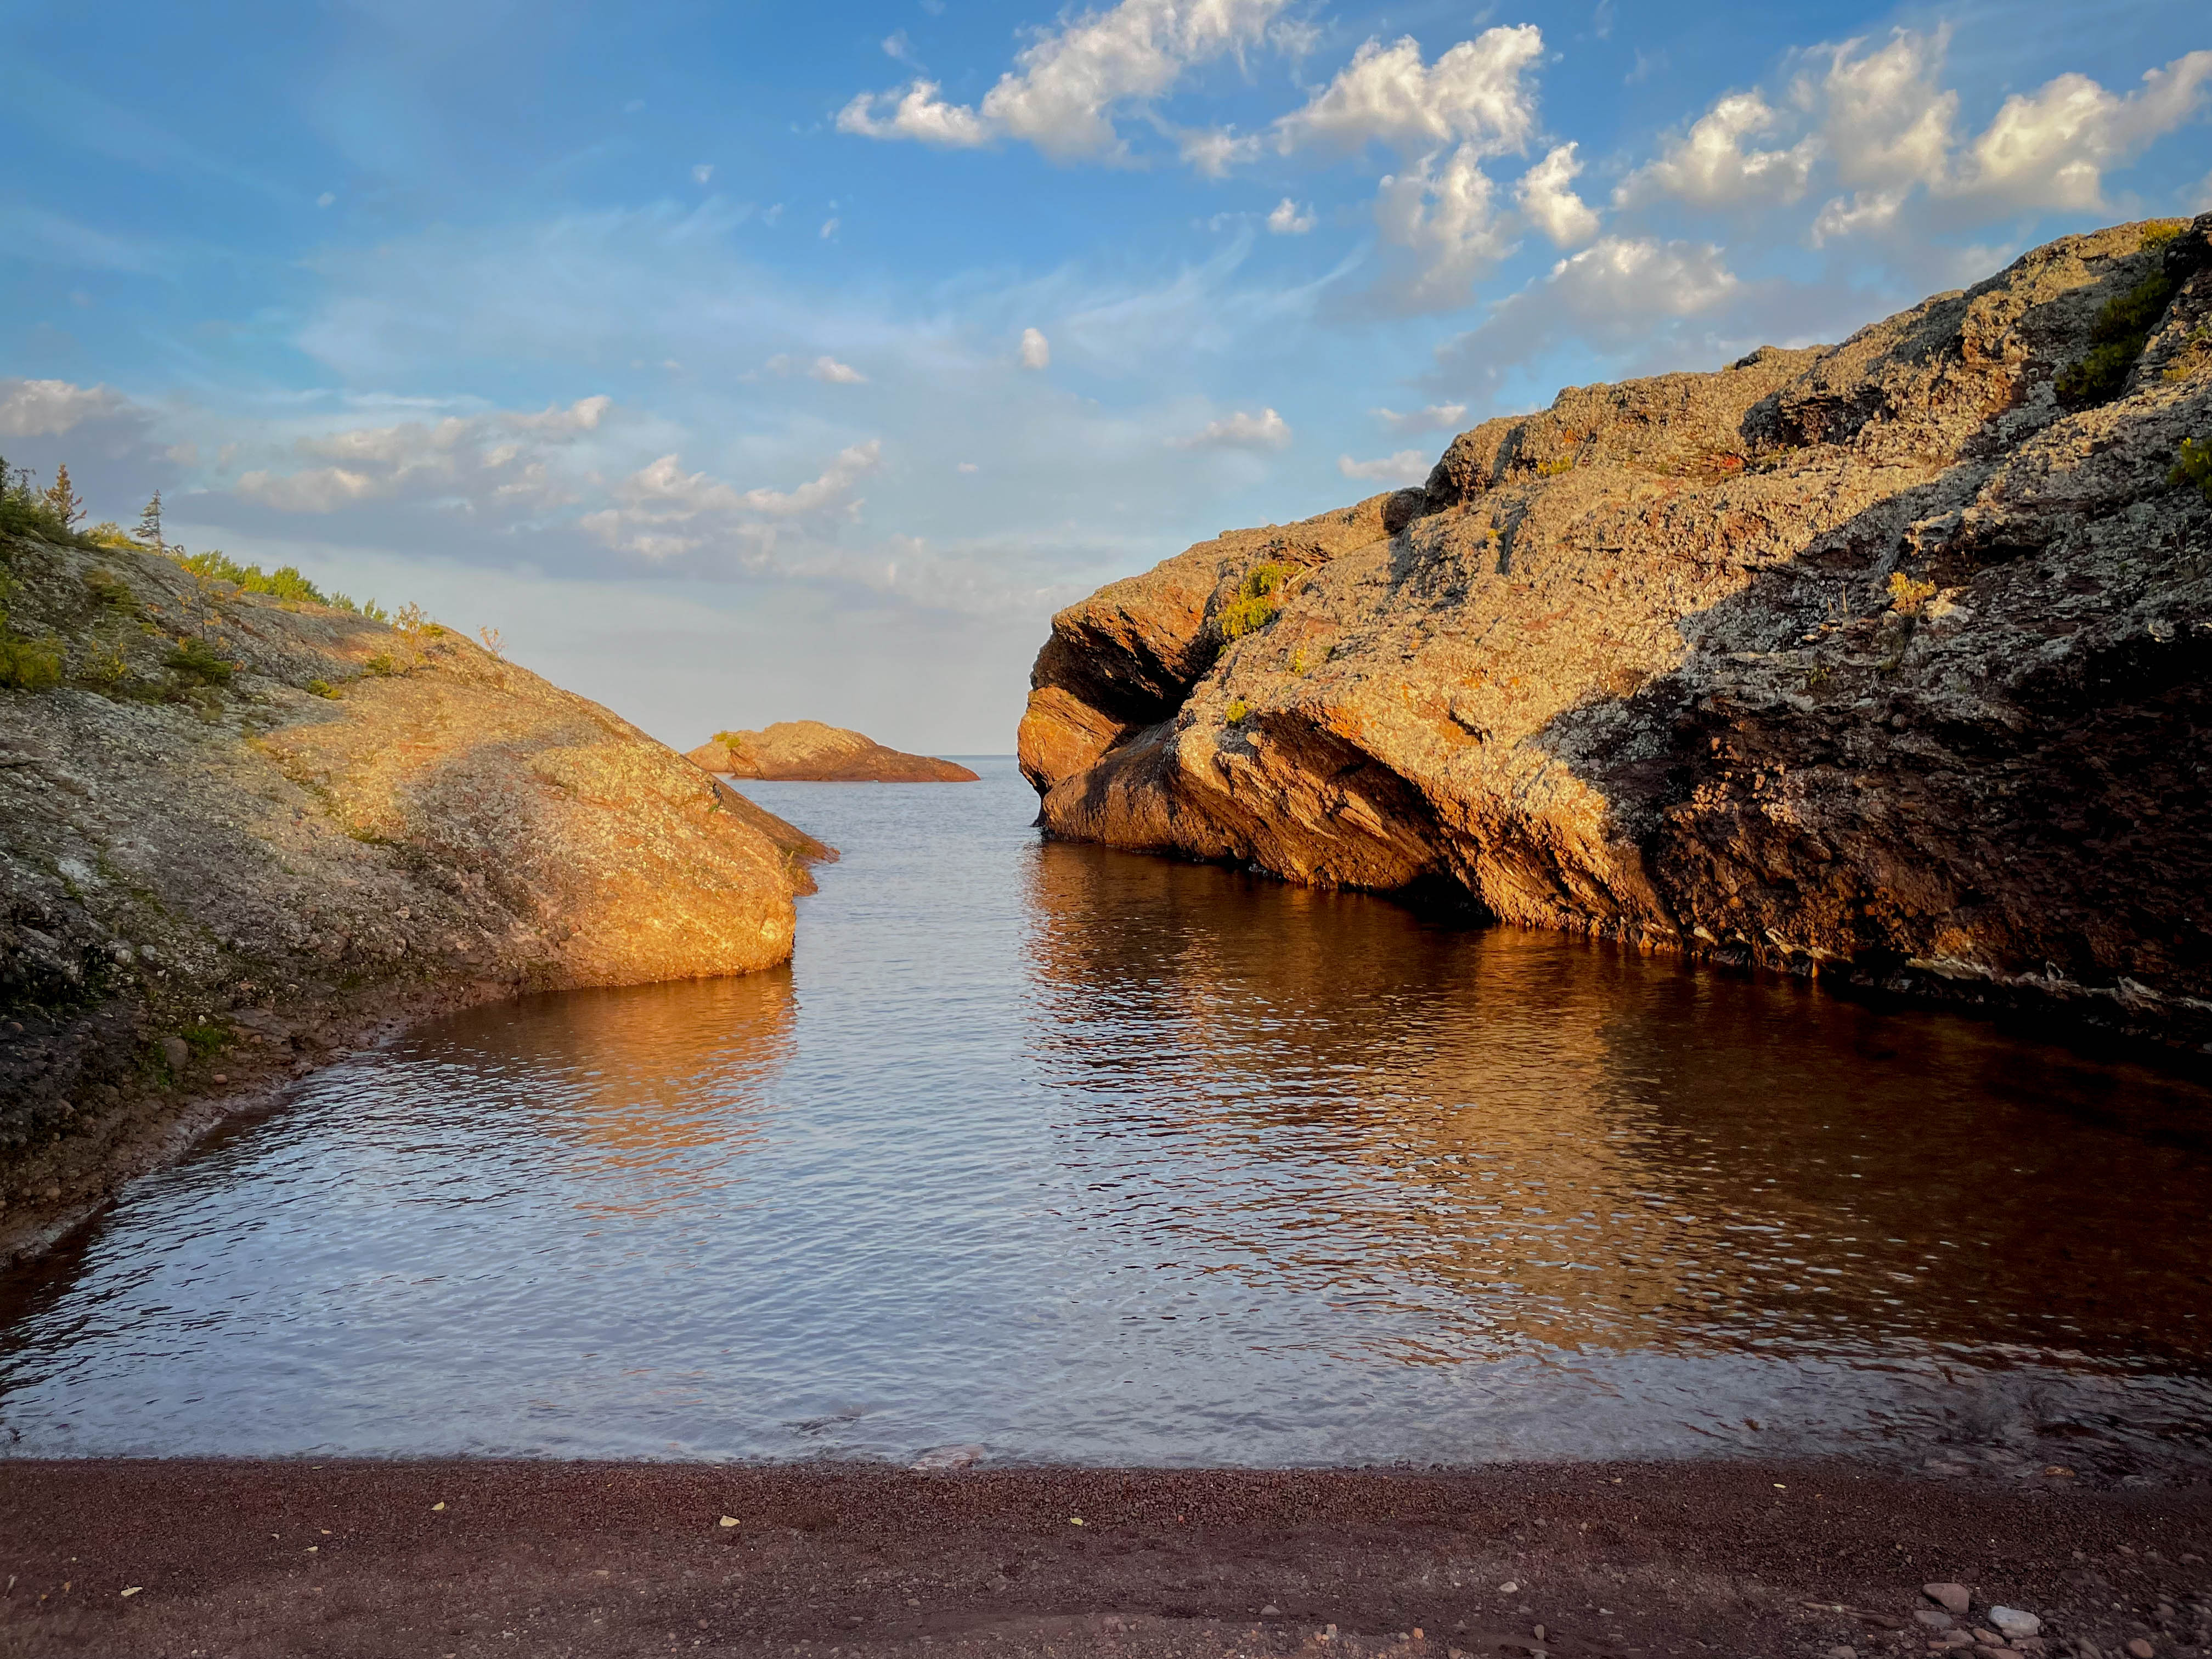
(807, 751)
(1884, 659)
(239, 831)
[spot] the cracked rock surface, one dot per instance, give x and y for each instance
(1878, 660)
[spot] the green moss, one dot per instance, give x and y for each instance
(206, 1037)
(2194, 465)
(1255, 605)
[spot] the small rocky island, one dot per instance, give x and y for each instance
(807, 751)
(240, 829)
(1885, 661)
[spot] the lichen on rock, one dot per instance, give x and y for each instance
(1635, 666)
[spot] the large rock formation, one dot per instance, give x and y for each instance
(1886, 658)
(239, 831)
(807, 751)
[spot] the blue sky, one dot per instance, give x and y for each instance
(755, 363)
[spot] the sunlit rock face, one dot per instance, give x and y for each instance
(807, 751)
(319, 821)
(1884, 657)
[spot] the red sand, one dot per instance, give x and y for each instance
(252, 1559)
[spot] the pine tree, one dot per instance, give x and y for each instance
(149, 522)
(67, 505)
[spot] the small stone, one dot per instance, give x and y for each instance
(1952, 1598)
(1271, 1611)
(945, 1459)
(2013, 1622)
(1842, 1652)
(1509, 1588)
(175, 1052)
(2140, 1649)
(727, 1520)
(1989, 1638)
(1933, 1618)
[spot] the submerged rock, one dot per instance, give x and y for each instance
(807, 751)
(1882, 659)
(248, 829)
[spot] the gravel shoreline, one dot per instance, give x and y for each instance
(460, 1558)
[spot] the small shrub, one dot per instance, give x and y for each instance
(2117, 338)
(110, 591)
(1238, 709)
(195, 662)
(1255, 605)
(1907, 595)
(2194, 466)
(1554, 467)
(381, 665)
(322, 688)
(28, 665)
(285, 583)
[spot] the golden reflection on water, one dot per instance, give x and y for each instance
(652, 1097)
(1523, 1140)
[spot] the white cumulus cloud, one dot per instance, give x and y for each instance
(509, 458)
(1436, 417)
(1474, 95)
(1266, 430)
(1289, 219)
(42, 409)
(1036, 350)
(1715, 165)
(662, 512)
(1547, 195)
(1443, 216)
(1066, 88)
(1407, 466)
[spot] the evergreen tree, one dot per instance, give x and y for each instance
(67, 505)
(149, 522)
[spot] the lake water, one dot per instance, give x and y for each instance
(1078, 1155)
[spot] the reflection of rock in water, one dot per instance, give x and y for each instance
(1510, 1138)
(655, 1093)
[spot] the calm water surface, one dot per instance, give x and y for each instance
(1079, 1155)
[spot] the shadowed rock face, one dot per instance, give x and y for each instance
(807, 751)
(1636, 665)
(262, 868)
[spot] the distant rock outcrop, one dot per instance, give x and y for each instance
(1890, 660)
(807, 751)
(235, 832)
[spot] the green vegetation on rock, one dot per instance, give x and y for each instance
(2122, 329)
(1256, 602)
(2194, 466)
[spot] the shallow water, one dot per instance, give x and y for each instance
(1080, 1155)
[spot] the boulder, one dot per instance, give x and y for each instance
(1885, 661)
(807, 751)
